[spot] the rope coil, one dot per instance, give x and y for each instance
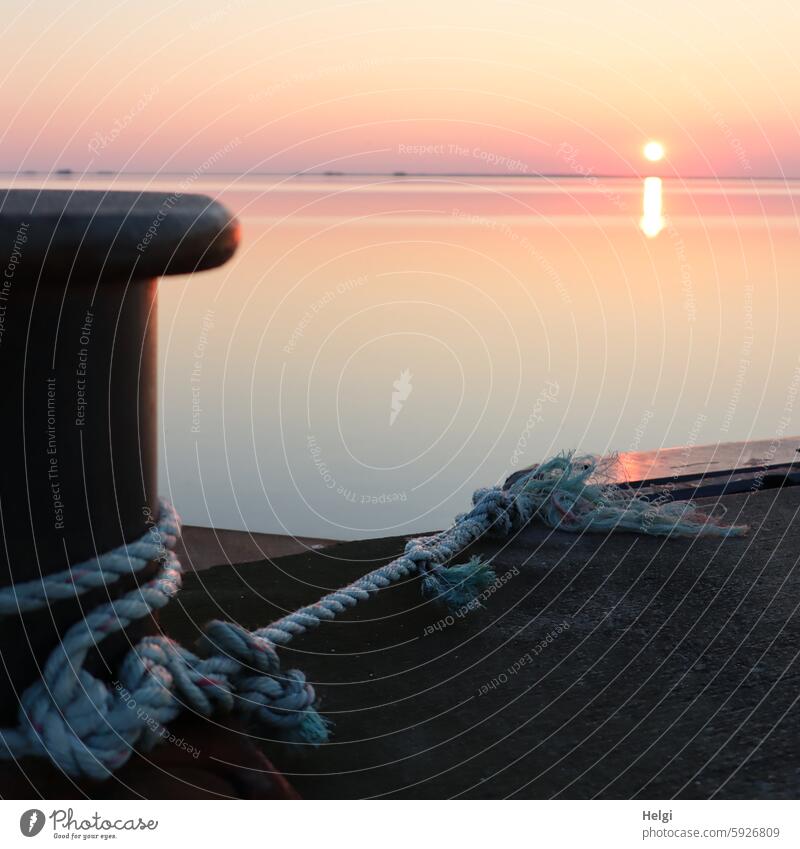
(88, 727)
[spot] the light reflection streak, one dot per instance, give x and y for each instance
(652, 222)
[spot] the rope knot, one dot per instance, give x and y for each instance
(283, 700)
(493, 506)
(279, 700)
(237, 643)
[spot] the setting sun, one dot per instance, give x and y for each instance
(654, 151)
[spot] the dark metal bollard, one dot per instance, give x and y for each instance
(78, 371)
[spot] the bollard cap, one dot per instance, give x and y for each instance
(55, 235)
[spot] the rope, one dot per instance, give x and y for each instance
(88, 727)
(100, 571)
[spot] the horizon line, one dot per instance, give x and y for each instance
(68, 172)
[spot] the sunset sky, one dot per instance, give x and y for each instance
(417, 85)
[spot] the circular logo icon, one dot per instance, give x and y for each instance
(31, 822)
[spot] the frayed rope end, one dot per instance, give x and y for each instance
(458, 586)
(582, 493)
(312, 730)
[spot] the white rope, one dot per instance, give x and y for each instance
(89, 727)
(100, 571)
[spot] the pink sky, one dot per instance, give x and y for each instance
(517, 87)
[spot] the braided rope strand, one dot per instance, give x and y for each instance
(100, 571)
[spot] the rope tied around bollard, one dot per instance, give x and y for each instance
(88, 727)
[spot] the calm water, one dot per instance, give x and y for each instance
(380, 347)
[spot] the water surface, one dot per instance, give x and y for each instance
(381, 346)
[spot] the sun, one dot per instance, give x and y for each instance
(654, 151)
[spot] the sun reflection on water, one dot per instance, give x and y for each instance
(652, 221)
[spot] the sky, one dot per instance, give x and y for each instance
(439, 86)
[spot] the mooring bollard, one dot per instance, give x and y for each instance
(78, 359)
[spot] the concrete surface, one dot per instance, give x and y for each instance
(670, 669)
